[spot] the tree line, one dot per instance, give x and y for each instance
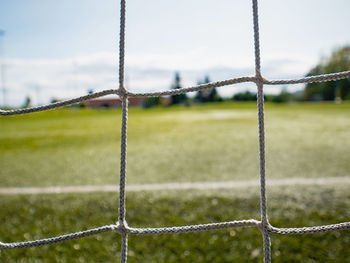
(338, 90)
(202, 96)
(331, 90)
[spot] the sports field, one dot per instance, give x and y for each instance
(213, 142)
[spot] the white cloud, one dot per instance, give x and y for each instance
(196, 59)
(42, 79)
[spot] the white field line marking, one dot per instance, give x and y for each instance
(172, 186)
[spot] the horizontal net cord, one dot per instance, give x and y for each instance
(194, 228)
(58, 239)
(210, 85)
(126, 93)
(310, 230)
(311, 79)
(175, 230)
(315, 78)
(59, 104)
(130, 230)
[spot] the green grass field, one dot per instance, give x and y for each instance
(215, 142)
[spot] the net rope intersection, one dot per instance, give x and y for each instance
(121, 225)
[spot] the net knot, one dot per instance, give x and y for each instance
(121, 227)
(122, 92)
(259, 80)
(265, 226)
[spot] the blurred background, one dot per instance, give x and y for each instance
(54, 50)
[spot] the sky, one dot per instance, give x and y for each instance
(63, 49)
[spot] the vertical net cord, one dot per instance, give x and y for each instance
(123, 144)
(122, 221)
(260, 102)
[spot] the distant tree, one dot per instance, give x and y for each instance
(199, 97)
(244, 96)
(207, 95)
(27, 102)
(54, 100)
(338, 61)
(181, 98)
(151, 102)
(283, 97)
(249, 96)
